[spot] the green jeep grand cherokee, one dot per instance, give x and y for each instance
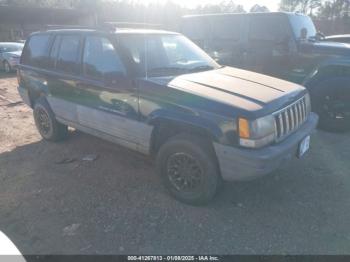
(159, 94)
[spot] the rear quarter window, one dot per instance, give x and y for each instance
(35, 52)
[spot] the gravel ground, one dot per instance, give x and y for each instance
(116, 204)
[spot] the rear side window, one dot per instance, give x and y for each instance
(100, 60)
(35, 52)
(266, 28)
(226, 27)
(54, 52)
(67, 60)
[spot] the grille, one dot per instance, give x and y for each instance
(290, 118)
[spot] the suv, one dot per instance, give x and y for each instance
(159, 94)
(283, 45)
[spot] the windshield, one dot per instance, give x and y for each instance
(164, 55)
(11, 47)
(300, 24)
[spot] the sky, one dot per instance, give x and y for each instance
(271, 4)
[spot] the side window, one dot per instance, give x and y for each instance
(68, 54)
(226, 27)
(266, 28)
(35, 53)
(100, 59)
(54, 52)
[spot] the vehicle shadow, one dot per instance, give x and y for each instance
(4, 75)
(53, 202)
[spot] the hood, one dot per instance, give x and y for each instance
(331, 48)
(15, 53)
(239, 88)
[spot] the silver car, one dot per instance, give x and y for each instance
(10, 54)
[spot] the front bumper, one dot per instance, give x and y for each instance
(237, 164)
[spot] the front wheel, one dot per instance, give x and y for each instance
(332, 103)
(188, 169)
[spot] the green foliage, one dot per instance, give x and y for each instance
(334, 9)
(323, 9)
(302, 6)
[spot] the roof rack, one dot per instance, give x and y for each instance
(131, 25)
(56, 27)
(106, 26)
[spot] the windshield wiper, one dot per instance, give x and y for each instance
(201, 68)
(166, 70)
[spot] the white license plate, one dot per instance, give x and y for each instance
(304, 146)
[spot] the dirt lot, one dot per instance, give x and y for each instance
(116, 205)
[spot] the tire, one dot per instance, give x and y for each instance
(7, 67)
(46, 122)
(331, 101)
(196, 185)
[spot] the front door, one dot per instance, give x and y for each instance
(267, 49)
(108, 98)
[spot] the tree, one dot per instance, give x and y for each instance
(334, 9)
(259, 9)
(227, 6)
(302, 6)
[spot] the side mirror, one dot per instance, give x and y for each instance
(303, 33)
(320, 36)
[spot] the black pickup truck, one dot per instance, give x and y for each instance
(156, 92)
(283, 45)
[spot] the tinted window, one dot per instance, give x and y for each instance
(35, 52)
(266, 28)
(226, 27)
(100, 59)
(68, 54)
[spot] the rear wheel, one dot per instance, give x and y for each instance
(46, 122)
(188, 169)
(332, 103)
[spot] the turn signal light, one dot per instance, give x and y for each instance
(243, 125)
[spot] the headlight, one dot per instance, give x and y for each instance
(257, 133)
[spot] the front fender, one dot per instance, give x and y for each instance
(195, 121)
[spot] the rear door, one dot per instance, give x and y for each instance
(63, 76)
